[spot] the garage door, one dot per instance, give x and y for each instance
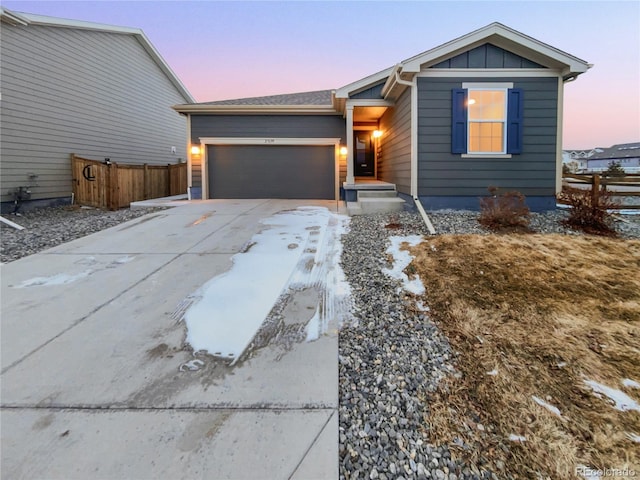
(271, 171)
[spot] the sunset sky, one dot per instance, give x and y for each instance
(224, 50)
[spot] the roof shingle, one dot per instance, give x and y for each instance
(318, 97)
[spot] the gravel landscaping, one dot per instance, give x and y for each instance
(48, 227)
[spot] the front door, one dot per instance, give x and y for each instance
(364, 155)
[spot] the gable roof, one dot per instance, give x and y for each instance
(495, 33)
(504, 37)
(396, 77)
(25, 19)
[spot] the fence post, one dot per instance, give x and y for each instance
(168, 180)
(595, 190)
(113, 200)
(146, 180)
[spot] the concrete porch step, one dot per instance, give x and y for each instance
(381, 204)
(362, 194)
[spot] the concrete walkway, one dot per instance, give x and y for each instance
(94, 383)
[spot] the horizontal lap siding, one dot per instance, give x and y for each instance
(394, 159)
(95, 94)
(441, 173)
(267, 126)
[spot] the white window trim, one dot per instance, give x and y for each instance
(485, 155)
(486, 86)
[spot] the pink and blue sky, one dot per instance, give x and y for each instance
(224, 50)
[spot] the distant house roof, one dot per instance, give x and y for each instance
(622, 150)
(318, 97)
(26, 19)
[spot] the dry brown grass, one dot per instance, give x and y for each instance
(524, 304)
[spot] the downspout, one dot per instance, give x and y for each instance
(414, 193)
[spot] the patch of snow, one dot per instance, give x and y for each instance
(622, 401)
(493, 372)
(59, 279)
(422, 307)
(562, 364)
(627, 382)
(191, 365)
(66, 278)
(546, 405)
(402, 259)
(633, 437)
(123, 260)
(299, 249)
(517, 438)
(314, 328)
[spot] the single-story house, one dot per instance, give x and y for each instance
(68, 86)
(482, 110)
(627, 155)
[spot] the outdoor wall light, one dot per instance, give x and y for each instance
(195, 150)
(377, 133)
(343, 151)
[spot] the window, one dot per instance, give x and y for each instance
(487, 120)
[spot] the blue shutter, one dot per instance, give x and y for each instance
(514, 120)
(459, 121)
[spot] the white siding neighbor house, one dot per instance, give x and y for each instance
(98, 91)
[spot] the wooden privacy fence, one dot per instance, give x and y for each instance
(116, 185)
(627, 185)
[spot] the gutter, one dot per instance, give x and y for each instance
(425, 217)
(258, 109)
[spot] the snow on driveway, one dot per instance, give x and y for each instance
(298, 249)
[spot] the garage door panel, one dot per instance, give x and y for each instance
(271, 171)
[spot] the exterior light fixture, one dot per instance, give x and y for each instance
(377, 133)
(195, 150)
(343, 151)
(471, 101)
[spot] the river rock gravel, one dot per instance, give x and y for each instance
(48, 227)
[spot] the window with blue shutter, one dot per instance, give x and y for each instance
(459, 121)
(487, 120)
(514, 121)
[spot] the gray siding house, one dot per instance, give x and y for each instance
(98, 91)
(441, 127)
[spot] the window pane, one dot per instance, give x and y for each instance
(486, 137)
(486, 104)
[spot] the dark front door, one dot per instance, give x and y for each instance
(364, 156)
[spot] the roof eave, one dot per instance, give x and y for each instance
(504, 37)
(12, 18)
(344, 92)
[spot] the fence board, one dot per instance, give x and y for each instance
(599, 181)
(117, 185)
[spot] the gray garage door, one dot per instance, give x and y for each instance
(271, 171)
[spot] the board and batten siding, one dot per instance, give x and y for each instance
(265, 126)
(96, 94)
(394, 153)
(441, 173)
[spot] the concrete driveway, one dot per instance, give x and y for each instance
(98, 381)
